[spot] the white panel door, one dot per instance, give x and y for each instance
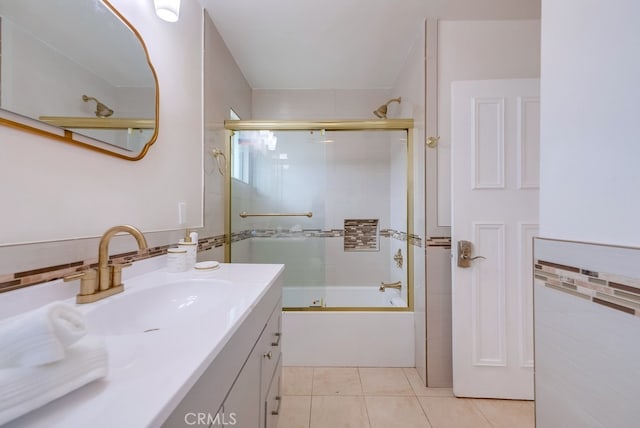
(495, 162)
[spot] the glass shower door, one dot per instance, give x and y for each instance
(277, 189)
(331, 206)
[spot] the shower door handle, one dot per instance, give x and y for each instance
(465, 249)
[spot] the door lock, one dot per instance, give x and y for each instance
(465, 249)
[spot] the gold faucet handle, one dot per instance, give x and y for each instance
(88, 281)
(117, 273)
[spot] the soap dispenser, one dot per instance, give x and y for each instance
(191, 247)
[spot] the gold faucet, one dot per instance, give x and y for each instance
(105, 281)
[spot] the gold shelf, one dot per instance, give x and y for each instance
(98, 122)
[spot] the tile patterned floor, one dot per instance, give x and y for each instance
(322, 397)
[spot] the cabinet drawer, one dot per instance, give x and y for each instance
(273, 401)
(271, 346)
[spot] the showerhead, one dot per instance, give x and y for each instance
(101, 109)
(381, 112)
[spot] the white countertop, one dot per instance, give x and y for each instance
(143, 385)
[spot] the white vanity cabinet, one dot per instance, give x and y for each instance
(241, 386)
(247, 404)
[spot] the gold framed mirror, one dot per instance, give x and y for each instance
(77, 71)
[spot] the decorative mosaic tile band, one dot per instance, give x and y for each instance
(439, 241)
(289, 233)
(241, 236)
(14, 281)
(610, 290)
(395, 234)
(212, 242)
(329, 233)
(415, 240)
(361, 235)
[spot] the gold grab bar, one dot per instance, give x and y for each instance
(397, 285)
(245, 214)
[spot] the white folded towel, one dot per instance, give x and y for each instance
(24, 389)
(40, 336)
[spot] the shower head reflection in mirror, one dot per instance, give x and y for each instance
(46, 47)
(101, 109)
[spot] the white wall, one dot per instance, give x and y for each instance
(59, 191)
(590, 126)
(589, 186)
(410, 85)
(477, 50)
(224, 87)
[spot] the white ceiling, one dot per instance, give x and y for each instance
(337, 44)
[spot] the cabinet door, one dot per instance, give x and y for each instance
(242, 406)
(270, 344)
(273, 400)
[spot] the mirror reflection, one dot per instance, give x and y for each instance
(76, 65)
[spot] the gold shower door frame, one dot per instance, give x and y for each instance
(337, 125)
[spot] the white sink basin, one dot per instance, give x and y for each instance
(169, 305)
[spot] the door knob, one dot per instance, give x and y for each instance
(465, 249)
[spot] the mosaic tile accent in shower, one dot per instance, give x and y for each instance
(395, 234)
(327, 233)
(610, 290)
(288, 233)
(240, 236)
(361, 235)
(438, 241)
(412, 239)
(14, 281)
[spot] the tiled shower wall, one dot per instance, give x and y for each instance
(587, 306)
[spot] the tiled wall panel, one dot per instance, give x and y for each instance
(587, 299)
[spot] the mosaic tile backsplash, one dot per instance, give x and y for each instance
(14, 281)
(606, 289)
(17, 280)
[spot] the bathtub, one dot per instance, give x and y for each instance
(341, 297)
(370, 338)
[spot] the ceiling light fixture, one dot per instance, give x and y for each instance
(167, 10)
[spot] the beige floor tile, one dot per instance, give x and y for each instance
(507, 413)
(395, 412)
(295, 411)
(420, 389)
(336, 381)
(335, 412)
(451, 412)
(384, 381)
(297, 380)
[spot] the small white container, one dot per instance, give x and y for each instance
(192, 252)
(176, 260)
